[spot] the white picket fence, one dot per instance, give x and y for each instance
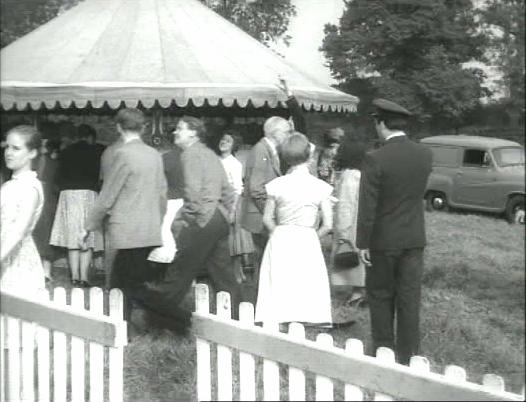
(47, 344)
(378, 378)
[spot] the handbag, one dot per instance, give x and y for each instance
(345, 256)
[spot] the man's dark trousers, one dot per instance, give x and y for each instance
(393, 284)
(130, 269)
(197, 247)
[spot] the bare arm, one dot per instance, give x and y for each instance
(326, 217)
(268, 214)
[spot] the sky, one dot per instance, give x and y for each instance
(306, 30)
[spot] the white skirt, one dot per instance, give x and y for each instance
(293, 280)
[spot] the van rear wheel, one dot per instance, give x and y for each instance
(436, 201)
(515, 209)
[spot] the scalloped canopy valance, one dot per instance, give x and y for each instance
(165, 51)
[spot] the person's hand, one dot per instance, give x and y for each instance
(284, 87)
(83, 238)
(365, 256)
(239, 274)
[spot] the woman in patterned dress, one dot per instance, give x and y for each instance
(22, 199)
(349, 158)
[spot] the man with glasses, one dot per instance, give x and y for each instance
(391, 230)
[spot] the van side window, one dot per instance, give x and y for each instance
(475, 158)
(445, 156)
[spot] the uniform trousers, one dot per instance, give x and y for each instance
(197, 247)
(393, 284)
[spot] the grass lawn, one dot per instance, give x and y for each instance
(472, 313)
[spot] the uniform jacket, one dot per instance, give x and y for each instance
(134, 196)
(261, 167)
(391, 211)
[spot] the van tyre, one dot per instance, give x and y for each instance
(436, 201)
(515, 209)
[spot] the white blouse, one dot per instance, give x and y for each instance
(234, 173)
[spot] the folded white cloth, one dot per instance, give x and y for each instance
(166, 253)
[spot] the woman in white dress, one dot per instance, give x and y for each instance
(349, 158)
(21, 200)
(240, 240)
(293, 282)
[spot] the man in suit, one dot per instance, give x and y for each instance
(133, 196)
(262, 166)
(391, 231)
(201, 231)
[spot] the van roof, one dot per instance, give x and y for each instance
(469, 141)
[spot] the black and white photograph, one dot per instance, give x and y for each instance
(246, 200)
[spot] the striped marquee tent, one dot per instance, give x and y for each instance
(150, 52)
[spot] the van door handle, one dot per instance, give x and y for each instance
(459, 173)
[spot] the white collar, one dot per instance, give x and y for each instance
(395, 134)
(301, 168)
(28, 174)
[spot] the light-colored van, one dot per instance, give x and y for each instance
(476, 173)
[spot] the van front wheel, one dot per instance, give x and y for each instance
(436, 201)
(515, 209)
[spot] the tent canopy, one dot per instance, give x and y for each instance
(170, 51)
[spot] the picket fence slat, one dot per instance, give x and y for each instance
(224, 354)
(2, 358)
(59, 353)
(116, 354)
(60, 366)
(43, 357)
(96, 328)
(204, 369)
(77, 352)
(455, 373)
(28, 361)
(353, 347)
(13, 358)
(380, 374)
(493, 381)
(296, 375)
(362, 371)
(247, 363)
(387, 356)
(96, 351)
(324, 385)
(270, 371)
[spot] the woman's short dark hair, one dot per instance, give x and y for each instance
(195, 124)
(350, 154)
(67, 129)
(86, 131)
(238, 140)
(130, 119)
(295, 149)
(32, 137)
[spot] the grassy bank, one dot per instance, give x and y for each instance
(472, 313)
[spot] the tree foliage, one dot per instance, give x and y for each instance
(504, 24)
(265, 20)
(411, 52)
(19, 17)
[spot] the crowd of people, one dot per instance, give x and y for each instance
(164, 220)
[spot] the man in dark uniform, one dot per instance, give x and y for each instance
(391, 231)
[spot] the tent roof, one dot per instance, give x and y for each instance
(150, 50)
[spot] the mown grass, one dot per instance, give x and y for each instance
(472, 314)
